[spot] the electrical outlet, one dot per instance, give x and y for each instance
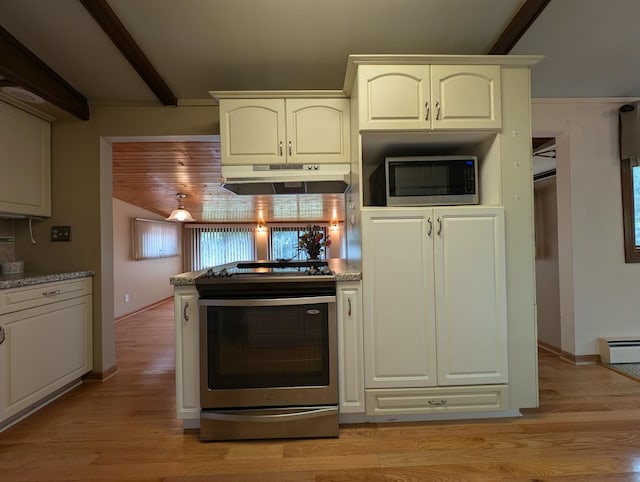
(60, 233)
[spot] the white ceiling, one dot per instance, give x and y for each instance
(591, 47)
(202, 45)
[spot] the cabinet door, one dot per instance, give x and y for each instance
(25, 163)
(394, 97)
(466, 97)
(317, 131)
(470, 296)
(45, 349)
(400, 346)
(252, 131)
(186, 316)
(350, 349)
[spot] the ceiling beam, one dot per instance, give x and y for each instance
(21, 66)
(519, 24)
(120, 36)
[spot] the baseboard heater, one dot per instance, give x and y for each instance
(620, 350)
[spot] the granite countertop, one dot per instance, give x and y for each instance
(29, 279)
(342, 269)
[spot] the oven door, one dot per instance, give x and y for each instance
(268, 353)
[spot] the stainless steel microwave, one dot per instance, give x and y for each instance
(425, 181)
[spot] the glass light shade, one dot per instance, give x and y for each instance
(180, 214)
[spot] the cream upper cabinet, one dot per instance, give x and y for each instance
(276, 131)
(429, 97)
(434, 297)
(25, 163)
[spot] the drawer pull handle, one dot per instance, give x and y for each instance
(437, 403)
(184, 312)
(2, 335)
(52, 293)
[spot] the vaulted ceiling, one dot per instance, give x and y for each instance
(76, 53)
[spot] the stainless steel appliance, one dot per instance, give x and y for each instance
(268, 351)
(425, 181)
(287, 178)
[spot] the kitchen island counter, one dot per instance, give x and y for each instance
(34, 278)
(342, 270)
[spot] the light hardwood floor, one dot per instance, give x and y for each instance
(586, 429)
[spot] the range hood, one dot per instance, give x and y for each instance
(287, 178)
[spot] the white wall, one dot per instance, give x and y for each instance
(147, 281)
(599, 292)
(547, 289)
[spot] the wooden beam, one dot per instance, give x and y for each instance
(119, 35)
(519, 24)
(21, 66)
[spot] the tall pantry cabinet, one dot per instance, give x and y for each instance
(448, 291)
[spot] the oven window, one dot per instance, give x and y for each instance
(265, 347)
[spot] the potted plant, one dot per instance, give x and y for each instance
(312, 241)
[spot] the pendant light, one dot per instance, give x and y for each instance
(180, 214)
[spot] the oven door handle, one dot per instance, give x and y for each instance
(277, 417)
(310, 300)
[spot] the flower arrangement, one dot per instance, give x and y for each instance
(313, 240)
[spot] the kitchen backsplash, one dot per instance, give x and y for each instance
(7, 243)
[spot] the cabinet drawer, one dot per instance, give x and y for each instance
(436, 400)
(15, 299)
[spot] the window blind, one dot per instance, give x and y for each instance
(155, 239)
(208, 246)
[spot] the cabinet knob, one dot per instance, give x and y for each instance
(185, 315)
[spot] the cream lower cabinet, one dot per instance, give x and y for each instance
(350, 349)
(46, 333)
(186, 315)
(278, 131)
(429, 97)
(434, 299)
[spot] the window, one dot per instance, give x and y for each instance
(155, 239)
(211, 246)
(284, 242)
(630, 171)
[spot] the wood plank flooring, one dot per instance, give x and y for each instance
(587, 429)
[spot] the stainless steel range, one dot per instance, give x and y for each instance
(268, 351)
